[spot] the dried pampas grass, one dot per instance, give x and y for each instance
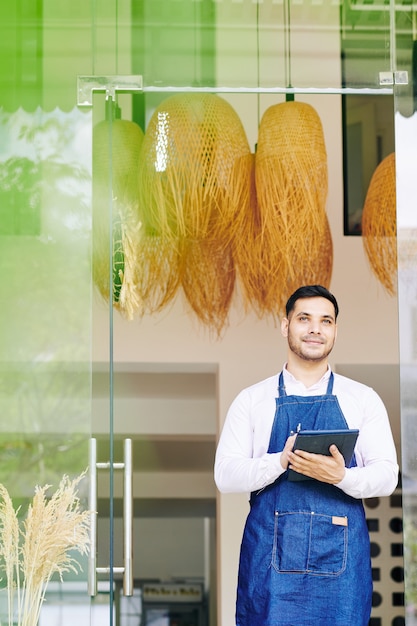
(31, 553)
(379, 224)
(9, 549)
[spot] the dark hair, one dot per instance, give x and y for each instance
(311, 291)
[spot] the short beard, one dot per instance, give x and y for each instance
(295, 350)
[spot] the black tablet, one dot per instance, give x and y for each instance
(319, 442)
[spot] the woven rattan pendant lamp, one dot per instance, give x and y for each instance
(116, 148)
(189, 189)
(379, 224)
(285, 229)
(291, 188)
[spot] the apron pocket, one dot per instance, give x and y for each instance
(310, 543)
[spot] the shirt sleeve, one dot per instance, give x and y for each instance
(376, 473)
(235, 469)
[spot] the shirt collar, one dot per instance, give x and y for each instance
(291, 381)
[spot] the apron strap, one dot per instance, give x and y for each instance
(330, 385)
(281, 386)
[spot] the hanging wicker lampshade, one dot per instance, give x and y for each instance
(115, 185)
(188, 195)
(159, 263)
(247, 245)
(294, 245)
(379, 224)
(208, 280)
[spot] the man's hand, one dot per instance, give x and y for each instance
(289, 444)
(327, 469)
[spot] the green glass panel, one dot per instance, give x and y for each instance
(45, 349)
(21, 52)
(45, 313)
(267, 45)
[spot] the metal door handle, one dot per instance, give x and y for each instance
(92, 507)
(128, 519)
(127, 569)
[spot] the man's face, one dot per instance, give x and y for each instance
(311, 329)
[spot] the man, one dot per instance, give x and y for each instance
(305, 555)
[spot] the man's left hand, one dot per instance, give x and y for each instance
(327, 469)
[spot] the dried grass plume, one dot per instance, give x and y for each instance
(31, 552)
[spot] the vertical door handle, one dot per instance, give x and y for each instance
(127, 569)
(128, 519)
(92, 507)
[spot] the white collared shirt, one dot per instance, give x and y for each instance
(242, 461)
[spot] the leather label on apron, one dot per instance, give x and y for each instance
(339, 521)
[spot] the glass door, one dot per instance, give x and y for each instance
(405, 157)
(53, 222)
(116, 143)
(79, 83)
(45, 321)
(46, 374)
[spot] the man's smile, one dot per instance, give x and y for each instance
(313, 340)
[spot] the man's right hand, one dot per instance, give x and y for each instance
(289, 444)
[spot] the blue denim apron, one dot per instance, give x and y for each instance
(305, 556)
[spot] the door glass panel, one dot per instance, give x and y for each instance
(45, 247)
(267, 45)
(45, 368)
(406, 154)
(108, 268)
(227, 47)
(245, 51)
